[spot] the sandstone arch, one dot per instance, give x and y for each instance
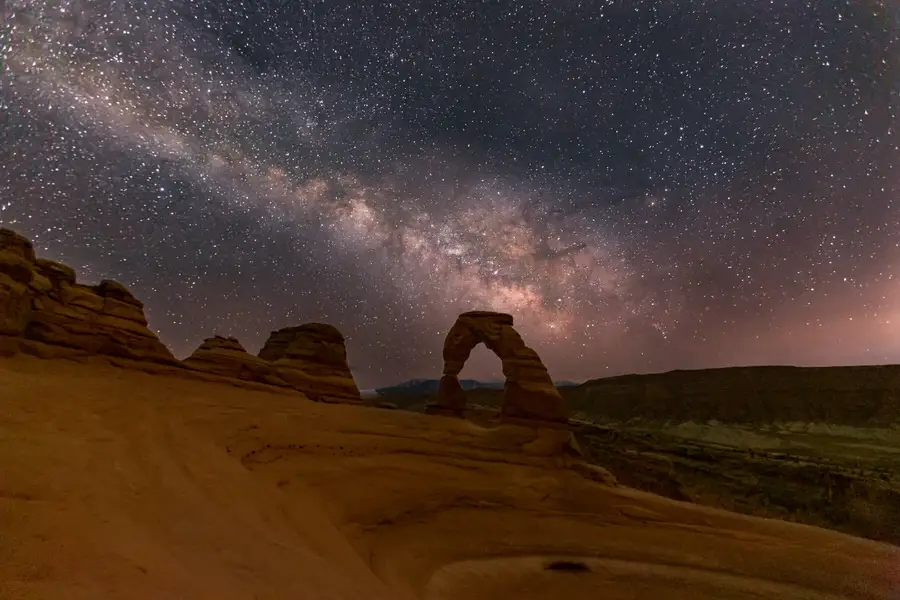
(529, 392)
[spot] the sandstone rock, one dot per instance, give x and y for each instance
(58, 273)
(15, 306)
(9, 345)
(18, 245)
(116, 291)
(96, 333)
(49, 314)
(81, 297)
(223, 345)
(226, 356)
(312, 358)
(54, 351)
(553, 442)
(594, 473)
(15, 267)
(40, 285)
(452, 398)
(529, 393)
(16, 275)
(277, 344)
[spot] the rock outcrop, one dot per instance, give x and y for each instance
(225, 356)
(43, 311)
(529, 393)
(312, 358)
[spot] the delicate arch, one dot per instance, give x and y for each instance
(528, 393)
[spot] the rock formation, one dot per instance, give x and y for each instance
(312, 358)
(226, 356)
(529, 392)
(44, 311)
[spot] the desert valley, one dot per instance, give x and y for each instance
(126, 473)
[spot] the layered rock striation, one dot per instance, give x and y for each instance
(44, 311)
(226, 357)
(312, 358)
(309, 358)
(529, 393)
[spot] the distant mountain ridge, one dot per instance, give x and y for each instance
(427, 386)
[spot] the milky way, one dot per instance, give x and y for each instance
(645, 185)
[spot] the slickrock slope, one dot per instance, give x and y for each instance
(529, 392)
(119, 484)
(43, 311)
(312, 358)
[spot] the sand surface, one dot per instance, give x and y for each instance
(126, 485)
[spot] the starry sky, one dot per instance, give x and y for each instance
(644, 185)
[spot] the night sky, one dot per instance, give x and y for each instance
(644, 185)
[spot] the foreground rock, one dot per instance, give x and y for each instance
(312, 358)
(205, 490)
(529, 393)
(44, 311)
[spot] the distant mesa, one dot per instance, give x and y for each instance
(45, 312)
(529, 393)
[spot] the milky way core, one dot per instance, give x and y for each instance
(644, 185)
